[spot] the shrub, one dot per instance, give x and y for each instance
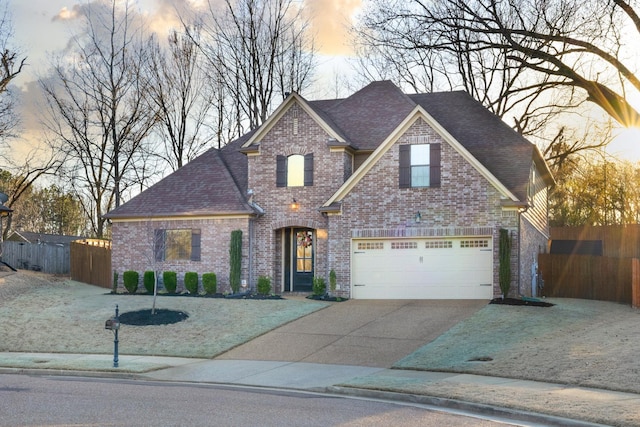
(170, 280)
(210, 283)
(235, 260)
(333, 281)
(264, 285)
(191, 282)
(505, 262)
(148, 280)
(130, 279)
(319, 287)
(114, 290)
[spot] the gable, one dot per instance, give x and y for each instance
(418, 114)
(291, 100)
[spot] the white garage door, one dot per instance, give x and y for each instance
(443, 268)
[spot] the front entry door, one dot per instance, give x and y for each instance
(302, 259)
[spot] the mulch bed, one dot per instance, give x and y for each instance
(244, 295)
(519, 301)
(162, 316)
(326, 297)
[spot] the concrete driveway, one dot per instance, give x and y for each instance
(374, 333)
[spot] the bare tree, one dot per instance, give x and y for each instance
(12, 62)
(98, 115)
(182, 96)
(18, 179)
(259, 50)
(578, 45)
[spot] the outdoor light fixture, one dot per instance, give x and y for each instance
(294, 205)
(418, 216)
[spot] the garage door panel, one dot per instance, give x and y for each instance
(423, 269)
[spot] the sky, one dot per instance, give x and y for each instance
(44, 27)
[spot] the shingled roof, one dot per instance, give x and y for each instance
(500, 149)
(215, 183)
(204, 186)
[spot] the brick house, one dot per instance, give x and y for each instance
(403, 196)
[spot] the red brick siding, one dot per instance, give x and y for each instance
(132, 248)
(465, 199)
(328, 175)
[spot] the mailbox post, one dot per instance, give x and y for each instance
(113, 324)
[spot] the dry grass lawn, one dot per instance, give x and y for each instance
(45, 314)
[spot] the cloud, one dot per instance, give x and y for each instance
(66, 14)
(330, 21)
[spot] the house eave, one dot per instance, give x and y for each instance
(182, 216)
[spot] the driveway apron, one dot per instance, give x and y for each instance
(374, 333)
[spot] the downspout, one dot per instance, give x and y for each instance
(521, 212)
(250, 262)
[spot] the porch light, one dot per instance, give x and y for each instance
(418, 216)
(294, 205)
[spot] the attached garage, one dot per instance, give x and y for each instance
(422, 268)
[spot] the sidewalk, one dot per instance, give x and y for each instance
(544, 403)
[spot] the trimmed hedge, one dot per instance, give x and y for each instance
(170, 280)
(191, 282)
(131, 279)
(210, 283)
(148, 280)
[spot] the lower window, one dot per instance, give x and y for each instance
(177, 244)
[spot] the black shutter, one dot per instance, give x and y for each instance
(308, 170)
(434, 167)
(195, 245)
(159, 243)
(405, 166)
(281, 171)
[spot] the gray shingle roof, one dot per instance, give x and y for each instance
(204, 186)
(500, 149)
(216, 182)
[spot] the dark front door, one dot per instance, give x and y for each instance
(302, 259)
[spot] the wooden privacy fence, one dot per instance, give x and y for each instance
(591, 277)
(91, 262)
(45, 257)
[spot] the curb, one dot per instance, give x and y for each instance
(73, 373)
(459, 405)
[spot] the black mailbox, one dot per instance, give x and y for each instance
(112, 324)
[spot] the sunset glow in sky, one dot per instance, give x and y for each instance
(44, 27)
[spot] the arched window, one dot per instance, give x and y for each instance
(295, 170)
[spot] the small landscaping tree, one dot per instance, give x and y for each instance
(130, 279)
(170, 279)
(149, 281)
(191, 282)
(333, 281)
(264, 285)
(210, 283)
(235, 260)
(505, 262)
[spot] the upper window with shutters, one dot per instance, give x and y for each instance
(419, 165)
(295, 170)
